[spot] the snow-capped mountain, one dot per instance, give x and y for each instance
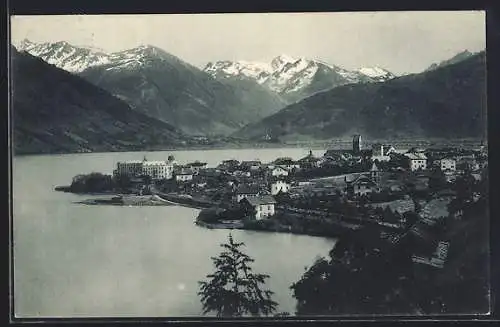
(65, 56)
(295, 78)
(377, 73)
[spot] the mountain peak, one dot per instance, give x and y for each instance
(462, 55)
(64, 55)
(281, 60)
(376, 72)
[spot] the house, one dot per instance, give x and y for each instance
(246, 191)
(279, 171)
(263, 206)
(196, 166)
(382, 152)
(448, 165)
(360, 185)
(229, 165)
(286, 163)
(184, 175)
(280, 186)
(250, 165)
(417, 160)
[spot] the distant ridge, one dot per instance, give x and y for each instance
(56, 112)
(449, 102)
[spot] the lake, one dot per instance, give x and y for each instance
(73, 260)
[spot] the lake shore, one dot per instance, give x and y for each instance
(284, 229)
(309, 144)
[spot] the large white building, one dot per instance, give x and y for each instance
(130, 168)
(418, 161)
(135, 168)
(157, 169)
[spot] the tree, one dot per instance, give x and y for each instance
(233, 290)
(437, 180)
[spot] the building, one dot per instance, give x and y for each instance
(286, 163)
(196, 166)
(448, 165)
(375, 173)
(184, 175)
(361, 185)
(229, 165)
(250, 165)
(279, 171)
(263, 206)
(280, 186)
(356, 143)
(437, 259)
(132, 168)
(417, 161)
(246, 191)
(136, 168)
(157, 169)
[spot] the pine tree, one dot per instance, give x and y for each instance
(233, 290)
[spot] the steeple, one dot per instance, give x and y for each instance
(375, 173)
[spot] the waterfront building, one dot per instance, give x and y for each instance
(132, 168)
(157, 169)
(136, 168)
(246, 191)
(262, 205)
(417, 161)
(279, 186)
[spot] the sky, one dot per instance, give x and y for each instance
(402, 42)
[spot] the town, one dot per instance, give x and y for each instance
(388, 190)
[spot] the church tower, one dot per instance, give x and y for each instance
(375, 173)
(356, 144)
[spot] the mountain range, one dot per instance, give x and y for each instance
(285, 99)
(456, 58)
(295, 78)
(164, 87)
(54, 111)
(447, 101)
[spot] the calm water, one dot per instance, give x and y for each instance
(72, 260)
